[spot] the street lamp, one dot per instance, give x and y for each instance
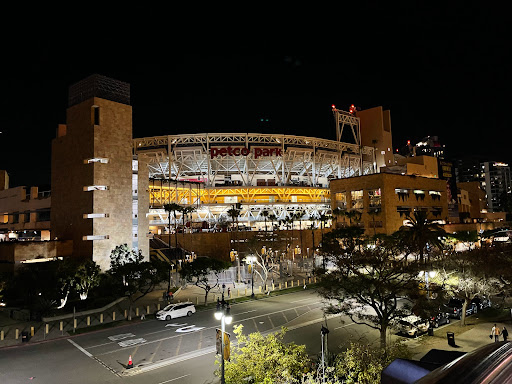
(323, 334)
(223, 313)
(251, 260)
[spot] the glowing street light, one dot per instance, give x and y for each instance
(223, 313)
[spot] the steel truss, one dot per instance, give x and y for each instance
(308, 160)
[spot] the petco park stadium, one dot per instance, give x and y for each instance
(267, 174)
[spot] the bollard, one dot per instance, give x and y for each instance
(245, 294)
(314, 279)
(47, 328)
(158, 307)
(147, 310)
(291, 283)
(279, 285)
(197, 300)
(114, 316)
(2, 334)
(88, 320)
(260, 288)
(61, 326)
(273, 287)
(101, 318)
(238, 292)
(304, 281)
(286, 284)
(17, 334)
(298, 283)
(74, 324)
(125, 313)
(31, 331)
(137, 311)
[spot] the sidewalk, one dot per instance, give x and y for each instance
(475, 336)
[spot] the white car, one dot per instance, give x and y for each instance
(176, 310)
(413, 325)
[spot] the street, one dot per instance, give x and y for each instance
(176, 351)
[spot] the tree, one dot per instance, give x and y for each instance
(363, 364)
(466, 275)
(273, 218)
(422, 232)
(366, 286)
(265, 359)
(265, 214)
(87, 276)
(174, 208)
(199, 271)
(134, 278)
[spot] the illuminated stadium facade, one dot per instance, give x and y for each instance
(266, 173)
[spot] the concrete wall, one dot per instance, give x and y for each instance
(12, 253)
(376, 132)
(82, 140)
(219, 244)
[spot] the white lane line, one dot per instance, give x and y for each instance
(298, 301)
(241, 313)
(176, 378)
(80, 348)
(343, 326)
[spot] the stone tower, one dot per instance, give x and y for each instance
(94, 198)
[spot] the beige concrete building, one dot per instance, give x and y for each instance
(95, 183)
(384, 200)
(24, 212)
(376, 133)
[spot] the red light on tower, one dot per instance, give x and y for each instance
(352, 109)
(333, 106)
(408, 142)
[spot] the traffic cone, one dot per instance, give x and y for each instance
(130, 363)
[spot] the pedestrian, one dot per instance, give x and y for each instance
(495, 331)
(504, 332)
(229, 292)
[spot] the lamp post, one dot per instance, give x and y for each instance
(223, 314)
(323, 333)
(251, 260)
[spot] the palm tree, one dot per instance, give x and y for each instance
(421, 232)
(337, 212)
(265, 214)
(234, 213)
(352, 215)
(186, 211)
(272, 217)
(173, 207)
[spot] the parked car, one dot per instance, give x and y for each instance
(454, 308)
(176, 310)
(413, 325)
(440, 318)
(481, 303)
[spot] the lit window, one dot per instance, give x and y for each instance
(341, 200)
(95, 188)
(96, 160)
(94, 215)
(95, 237)
(374, 196)
(357, 199)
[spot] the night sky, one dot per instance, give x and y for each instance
(440, 73)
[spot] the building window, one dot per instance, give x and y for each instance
(95, 237)
(375, 198)
(357, 199)
(96, 160)
(435, 195)
(419, 194)
(403, 194)
(96, 115)
(94, 215)
(15, 217)
(375, 224)
(403, 211)
(341, 200)
(43, 215)
(95, 188)
(436, 211)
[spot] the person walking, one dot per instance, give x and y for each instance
(495, 331)
(504, 332)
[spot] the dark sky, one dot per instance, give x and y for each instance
(440, 72)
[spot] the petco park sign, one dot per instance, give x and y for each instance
(242, 151)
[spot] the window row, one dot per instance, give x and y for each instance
(357, 199)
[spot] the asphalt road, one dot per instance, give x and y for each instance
(178, 351)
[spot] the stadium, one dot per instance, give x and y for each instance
(264, 175)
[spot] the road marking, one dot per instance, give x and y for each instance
(255, 325)
(241, 313)
(271, 322)
(298, 301)
(177, 378)
(121, 336)
(129, 343)
(189, 329)
(285, 318)
(80, 348)
(176, 325)
(179, 346)
(343, 326)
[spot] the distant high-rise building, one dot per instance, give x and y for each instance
(497, 184)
